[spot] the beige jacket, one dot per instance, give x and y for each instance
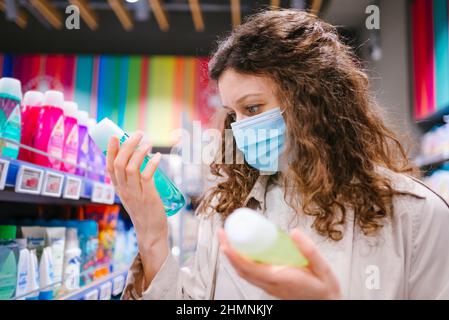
(409, 259)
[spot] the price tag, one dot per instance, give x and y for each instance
(97, 192)
(29, 180)
(106, 291)
(91, 295)
(52, 185)
(72, 188)
(108, 194)
(4, 166)
(117, 285)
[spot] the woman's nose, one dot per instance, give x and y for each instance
(239, 117)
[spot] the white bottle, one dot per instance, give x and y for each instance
(72, 262)
(46, 275)
(23, 266)
(256, 237)
(33, 277)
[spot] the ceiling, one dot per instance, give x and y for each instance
(185, 27)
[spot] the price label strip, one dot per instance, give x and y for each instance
(118, 284)
(91, 295)
(97, 192)
(52, 186)
(29, 180)
(4, 166)
(72, 188)
(108, 194)
(106, 291)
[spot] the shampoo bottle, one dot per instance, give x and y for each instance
(257, 238)
(172, 198)
(23, 267)
(49, 136)
(31, 107)
(10, 98)
(83, 143)
(70, 150)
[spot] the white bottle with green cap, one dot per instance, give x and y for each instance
(256, 237)
(10, 98)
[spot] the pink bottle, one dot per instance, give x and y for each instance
(49, 135)
(70, 150)
(31, 107)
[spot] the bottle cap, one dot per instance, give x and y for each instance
(54, 98)
(83, 118)
(33, 99)
(21, 242)
(91, 123)
(103, 131)
(11, 87)
(8, 232)
(70, 109)
(249, 232)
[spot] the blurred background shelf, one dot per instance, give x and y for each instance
(101, 289)
(11, 195)
(432, 162)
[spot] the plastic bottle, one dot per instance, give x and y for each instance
(83, 143)
(171, 197)
(88, 238)
(97, 158)
(46, 275)
(33, 277)
(8, 262)
(10, 97)
(49, 136)
(71, 134)
(259, 239)
(23, 266)
(31, 107)
(55, 238)
(119, 253)
(72, 261)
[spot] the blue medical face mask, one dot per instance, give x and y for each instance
(261, 138)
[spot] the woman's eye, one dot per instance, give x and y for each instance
(253, 109)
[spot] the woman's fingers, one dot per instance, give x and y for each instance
(307, 247)
(111, 154)
(148, 172)
(123, 156)
(134, 164)
(259, 274)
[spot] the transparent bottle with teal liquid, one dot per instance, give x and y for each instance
(172, 198)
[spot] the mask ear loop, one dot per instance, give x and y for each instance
(283, 111)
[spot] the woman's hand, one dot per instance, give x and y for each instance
(140, 198)
(316, 281)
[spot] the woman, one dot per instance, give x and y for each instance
(368, 230)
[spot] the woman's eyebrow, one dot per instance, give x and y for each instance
(249, 95)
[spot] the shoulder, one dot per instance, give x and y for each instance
(417, 203)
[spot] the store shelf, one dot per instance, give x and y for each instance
(88, 191)
(434, 119)
(101, 289)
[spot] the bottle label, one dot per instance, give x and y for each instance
(56, 141)
(71, 146)
(72, 273)
(11, 131)
(85, 144)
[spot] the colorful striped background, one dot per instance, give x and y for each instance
(150, 93)
(430, 31)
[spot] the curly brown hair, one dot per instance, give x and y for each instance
(333, 123)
